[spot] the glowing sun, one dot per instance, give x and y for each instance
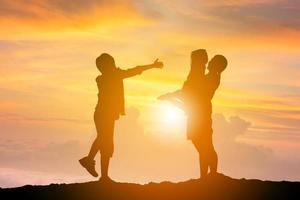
(171, 115)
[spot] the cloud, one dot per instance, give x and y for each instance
(17, 117)
(232, 23)
(228, 16)
(38, 155)
(10, 177)
(30, 9)
(282, 122)
(36, 9)
(260, 16)
(240, 159)
(253, 16)
(143, 156)
(178, 158)
(49, 80)
(47, 19)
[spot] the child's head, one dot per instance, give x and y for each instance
(217, 64)
(199, 59)
(199, 56)
(105, 63)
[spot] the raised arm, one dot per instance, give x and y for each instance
(139, 69)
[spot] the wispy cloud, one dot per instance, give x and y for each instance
(17, 117)
(44, 19)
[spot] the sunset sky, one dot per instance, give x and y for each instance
(48, 91)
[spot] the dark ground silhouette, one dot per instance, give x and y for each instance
(212, 188)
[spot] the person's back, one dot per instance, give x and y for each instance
(194, 81)
(111, 94)
(209, 86)
(111, 89)
(191, 98)
(206, 92)
(212, 80)
(198, 103)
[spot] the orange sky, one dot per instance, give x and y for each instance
(48, 89)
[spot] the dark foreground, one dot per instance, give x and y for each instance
(213, 188)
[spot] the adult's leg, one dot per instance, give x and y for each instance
(104, 166)
(213, 157)
(203, 165)
(213, 162)
(203, 158)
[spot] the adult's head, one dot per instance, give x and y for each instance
(217, 64)
(199, 59)
(105, 63)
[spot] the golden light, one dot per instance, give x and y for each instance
(171, 115)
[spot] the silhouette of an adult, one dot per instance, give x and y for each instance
(109, 107)
(195, 97)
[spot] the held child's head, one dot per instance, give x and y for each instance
(105, 63)
(217, 64)
(199, 59)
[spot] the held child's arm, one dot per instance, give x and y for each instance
(171, 95)
(139, 69)
(178, 104)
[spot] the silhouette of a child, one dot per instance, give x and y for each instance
(109, 107)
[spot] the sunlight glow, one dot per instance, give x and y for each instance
(172, 115)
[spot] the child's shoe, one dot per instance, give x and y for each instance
(89, 165)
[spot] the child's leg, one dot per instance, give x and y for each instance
(106, 145)
(88, 162)
(94, 148)
(98, 120)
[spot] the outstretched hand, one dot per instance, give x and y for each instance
(157, 64)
